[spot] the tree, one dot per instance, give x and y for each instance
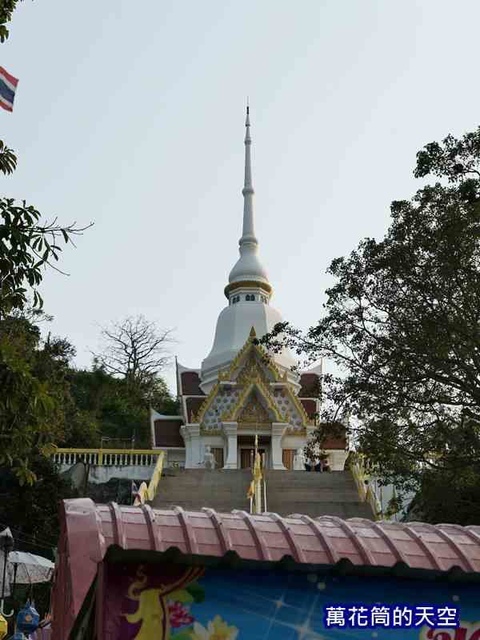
(8, 159)
(29, 413)
(7, 8)
(114, 410)
(35, 404)
(135, 350)
(27, 246)
(401, 323)
(31, 511)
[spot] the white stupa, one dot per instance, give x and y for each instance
(248, 292)
(241, 393)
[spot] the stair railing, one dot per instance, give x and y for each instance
(366, 491)
(148, 492)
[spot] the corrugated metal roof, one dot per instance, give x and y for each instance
(268, 537)
(88, 530)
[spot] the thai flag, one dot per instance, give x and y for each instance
(8, 86)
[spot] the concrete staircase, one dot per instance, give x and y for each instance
(313, 494)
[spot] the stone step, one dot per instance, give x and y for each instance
(312, 509)
(288, 492)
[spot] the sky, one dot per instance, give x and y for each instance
(130, 115)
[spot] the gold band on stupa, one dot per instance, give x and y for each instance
(247, 284)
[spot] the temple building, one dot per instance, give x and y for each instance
(242, 391)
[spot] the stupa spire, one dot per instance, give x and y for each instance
(248, 267)
(248, 233)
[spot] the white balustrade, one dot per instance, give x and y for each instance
(104, 457)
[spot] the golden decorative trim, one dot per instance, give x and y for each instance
(247, 284)
(206, 404)
(259, 426)
(211, 432)
(261, 351)
(299, 406)
(232, 414)
(291, 431)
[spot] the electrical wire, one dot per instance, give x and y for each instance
(28, 539)
(27, 535)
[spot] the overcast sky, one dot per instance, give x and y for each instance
(130, 115)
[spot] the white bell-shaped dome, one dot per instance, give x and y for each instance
(248, 267)
(233, 329)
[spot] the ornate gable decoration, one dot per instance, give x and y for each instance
(250, 359)
(254, 412)
(206, 404)
(250, 398)
(262, 395)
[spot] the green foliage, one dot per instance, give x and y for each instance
(401, 323)
(34, 396)
(315, 447)
(119, 411)
(449, 496)
(126, 380)
(8, 159)
(7, 8)
(31, 511)
(27, 246)
(35, 393)
(45, 401)
(135, 350)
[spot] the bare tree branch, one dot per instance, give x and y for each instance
(135, 349)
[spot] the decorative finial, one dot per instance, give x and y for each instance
(253, 333)
(248, 267)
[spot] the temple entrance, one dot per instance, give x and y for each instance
(287, 458)
(246, 450)
(247, 457)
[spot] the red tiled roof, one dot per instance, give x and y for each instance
(310, 406)
(335, 443)
(190, 382)
(167, 433)
(310, 385)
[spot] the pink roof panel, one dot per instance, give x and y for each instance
(90, 529)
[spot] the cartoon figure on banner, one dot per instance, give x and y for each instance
(162, 607)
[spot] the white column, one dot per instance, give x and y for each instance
(230, 430)
(195, 452)
(278, 429)
(186, 438)
(191, 436)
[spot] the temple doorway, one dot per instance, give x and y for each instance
(247, 457)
